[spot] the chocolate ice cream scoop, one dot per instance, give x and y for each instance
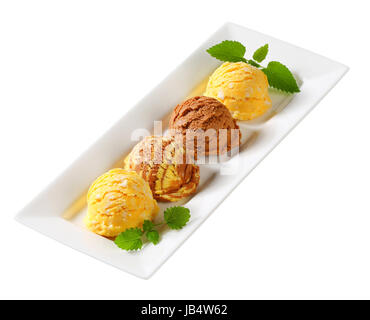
(206, 125)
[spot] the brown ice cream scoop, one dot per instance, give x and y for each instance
(206, 125)
(161, 162)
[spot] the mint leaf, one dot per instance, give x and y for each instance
(232, 51)
(153, 236)
(280, 77)
(130, 239)
(261, 53)
(177, 217)
(254, 63)
(147, 225)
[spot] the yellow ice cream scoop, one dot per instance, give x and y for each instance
(161, 161)
(119, 200)
(242, 88)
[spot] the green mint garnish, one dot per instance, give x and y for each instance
(147, 225)
(254, 63)
(227, 50)
(261, 53)
(131, 239)
(153, 236)
(177, 217)
(278, 75)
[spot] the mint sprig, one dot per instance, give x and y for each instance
(132, 239)
(278, 75)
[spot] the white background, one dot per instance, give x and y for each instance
(297, 227)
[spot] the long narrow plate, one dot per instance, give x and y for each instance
(57, 212)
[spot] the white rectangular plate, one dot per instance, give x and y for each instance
(316, 75)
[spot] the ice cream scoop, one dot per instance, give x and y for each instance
(242, 88)
(206, 124)
(162, 163)
(119, 200)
